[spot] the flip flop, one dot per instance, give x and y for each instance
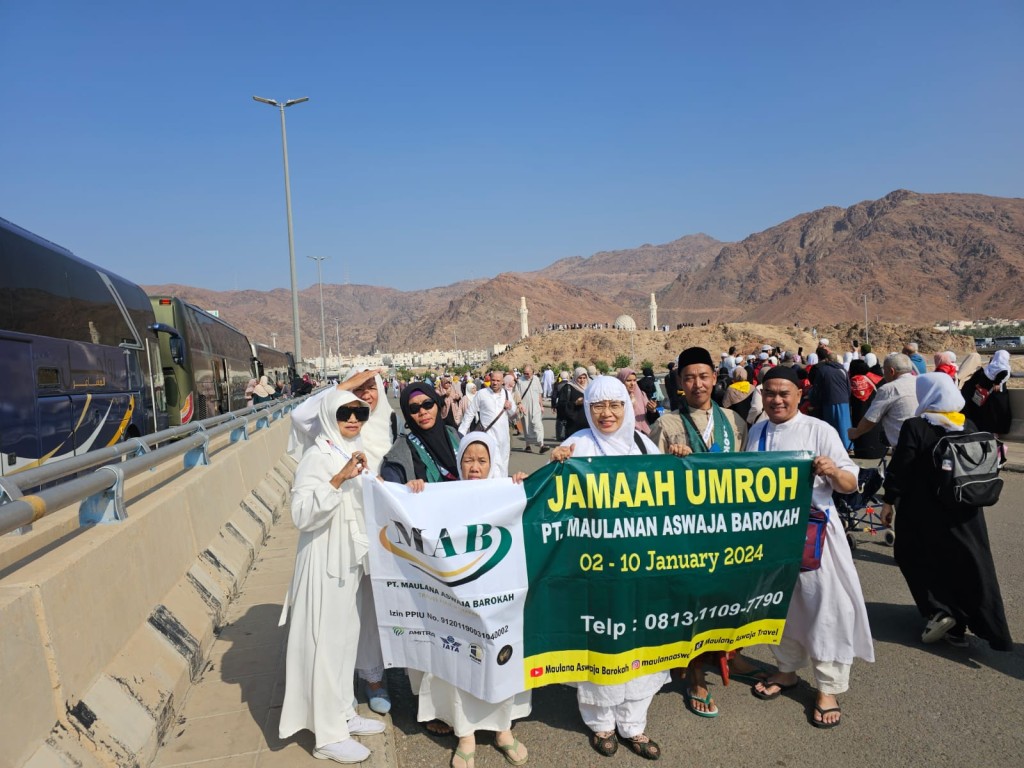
(755, 677)
(773, 684)
(822, 712)
(689, 698)
(508, 750)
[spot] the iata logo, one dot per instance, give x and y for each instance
(450, 643)
(452, 556)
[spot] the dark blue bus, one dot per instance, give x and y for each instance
(79, 359)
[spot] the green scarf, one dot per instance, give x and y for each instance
(723, 438)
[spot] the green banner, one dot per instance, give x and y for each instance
(640, 563)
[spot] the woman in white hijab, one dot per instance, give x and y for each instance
(987, 403)
(943, 551)
(377, 434)
(324, 621)
(610, 708)
(440, 700)
(263, 391)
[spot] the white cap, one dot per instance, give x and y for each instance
(822, 342)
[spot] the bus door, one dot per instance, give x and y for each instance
(220, 379)
(157, 419)
(19, 434)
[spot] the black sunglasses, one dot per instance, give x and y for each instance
(426, 405)
(346, 412)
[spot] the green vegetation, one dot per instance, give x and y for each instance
(646, 364)
(602, 366)
(981, 332)
(622, 361)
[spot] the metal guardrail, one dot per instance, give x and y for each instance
(101, 492)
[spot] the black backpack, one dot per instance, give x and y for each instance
(968, 465)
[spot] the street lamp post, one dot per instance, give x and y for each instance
(337, 332)
(296, 341)
(323, 328)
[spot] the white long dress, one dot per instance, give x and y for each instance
(529, 392)
(827, 615)
(590, 442)
(321, 604)
(440, 700)
(486, 405)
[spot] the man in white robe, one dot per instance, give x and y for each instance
(548, 382)
(494, 409)
(827, 622)
(528, 393)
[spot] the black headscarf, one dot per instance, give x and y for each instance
(858, 368)
(436, 438)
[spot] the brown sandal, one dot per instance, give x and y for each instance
(439, 727)
(644, 746)
(604, 744)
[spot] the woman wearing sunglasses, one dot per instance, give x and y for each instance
(426, 453)
(323, 601)
(440, 702)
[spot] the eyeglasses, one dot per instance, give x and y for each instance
(612, 406)
(425, 405)
(346, 412)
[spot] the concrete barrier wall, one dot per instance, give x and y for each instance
(101, 636)
(1017, 409)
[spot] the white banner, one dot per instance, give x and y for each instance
(449, 579)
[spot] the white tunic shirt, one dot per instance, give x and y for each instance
(827, 615)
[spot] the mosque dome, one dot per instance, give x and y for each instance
(624, 323)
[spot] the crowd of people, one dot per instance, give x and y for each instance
(455, 429)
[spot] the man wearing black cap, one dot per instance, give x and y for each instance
(701, 426)
(827, 623)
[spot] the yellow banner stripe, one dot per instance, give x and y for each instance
(616, 668)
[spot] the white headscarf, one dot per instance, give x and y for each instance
(937, 395)
(376, 432)
(812, 358)
(1000, 362)
(347, 543)
(847, 359)
(871, 359)
(264, 388)
(593, 442)
(492, 450)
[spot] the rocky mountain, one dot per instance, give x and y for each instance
(628, 277)
(918, 258)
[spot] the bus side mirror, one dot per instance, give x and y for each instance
(177, 350)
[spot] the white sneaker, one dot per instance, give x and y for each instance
(937, 627)
(347, 751)
(364, 726)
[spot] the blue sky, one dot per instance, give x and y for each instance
(446, 140)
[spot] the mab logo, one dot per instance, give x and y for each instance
(450, 643)
(452, 556)
(476, 653)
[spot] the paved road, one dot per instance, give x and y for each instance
(917, 705)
